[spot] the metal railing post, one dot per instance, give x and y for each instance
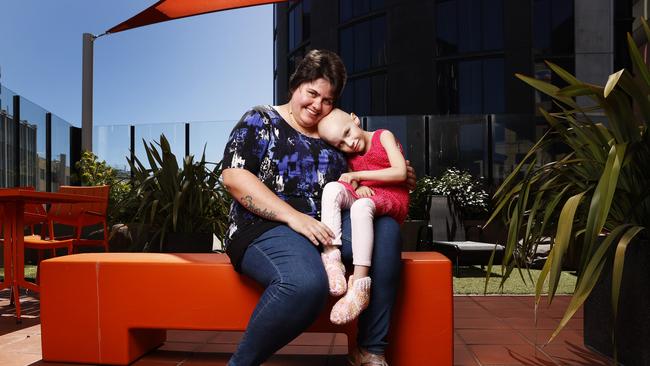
(48, 152)
(187, 139)
(132, 154)
(16, 140)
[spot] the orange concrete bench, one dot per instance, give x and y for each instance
(111, 308)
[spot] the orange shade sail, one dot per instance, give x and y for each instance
(165, 10)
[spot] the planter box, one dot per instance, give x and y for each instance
(188, 243)
(633, 323)
(409, 231)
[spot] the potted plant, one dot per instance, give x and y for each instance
(180, 208)
(465, 193)
(94, 172)
(593, 200)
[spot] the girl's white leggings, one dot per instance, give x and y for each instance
(362, 213)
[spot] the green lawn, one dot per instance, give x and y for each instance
(30, 272)
(471, 280)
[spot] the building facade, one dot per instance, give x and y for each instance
(451, 56)
(453, 62)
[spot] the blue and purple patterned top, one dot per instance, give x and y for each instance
(294, 166)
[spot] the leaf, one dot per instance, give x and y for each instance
(602, 198)
(587, 278)
(562, 239)
(611, 82)
(617, 270)
(637, 59)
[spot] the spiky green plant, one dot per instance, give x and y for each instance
(595, 199)
(173, 199)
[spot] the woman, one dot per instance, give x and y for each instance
(275, 167)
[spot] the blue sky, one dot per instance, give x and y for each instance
(206, 68)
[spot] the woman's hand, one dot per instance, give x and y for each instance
(364, 191)
(411, 178)
(312, 229)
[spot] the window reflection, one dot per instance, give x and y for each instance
(365, 96)
(349, 9)
(553, 26)
(363, 45)
(465, 26)
(299, 23)
(473, 86)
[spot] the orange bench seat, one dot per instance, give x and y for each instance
(111, 308)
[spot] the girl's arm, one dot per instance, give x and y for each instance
(251, 193)
(397, 170)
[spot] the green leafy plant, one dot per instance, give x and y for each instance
(94, 173)
(466, 191)
(593, 200)
(173, 199)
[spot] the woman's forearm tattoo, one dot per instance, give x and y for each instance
(247, 201)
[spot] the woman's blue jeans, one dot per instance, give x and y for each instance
(289, 267)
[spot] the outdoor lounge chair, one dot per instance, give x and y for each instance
(447, 234)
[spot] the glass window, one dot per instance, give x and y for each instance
(365, 96)
(346, 102)
(345, 10)
(493, 86)
(469, 20)
(447, 87)
(349, 9)
(553, 26)
(469, 87)
(492, 29)
(295, 26)
(362, 97)
(378, 42)
(360, 7)
(346, 48)
(446, 26)
(469, 26)
(378, 87)
(363, 45)
(306, 19)
(299, 23)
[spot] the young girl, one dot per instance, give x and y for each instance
(375, 185)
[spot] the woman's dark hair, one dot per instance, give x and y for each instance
(320, 64)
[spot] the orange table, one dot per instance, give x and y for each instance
(12, 204)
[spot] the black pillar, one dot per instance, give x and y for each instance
(490, 150)
(48, 152)
(187, 139)
(16, 140)
(132, 149)
(75, 155)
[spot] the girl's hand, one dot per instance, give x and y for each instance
(364, 191)
(348, 178)
(312, 229)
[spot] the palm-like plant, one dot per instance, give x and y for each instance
(596, 198)
(173, 199)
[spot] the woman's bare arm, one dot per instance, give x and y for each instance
(251, 193)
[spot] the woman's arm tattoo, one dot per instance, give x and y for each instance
(247, 201)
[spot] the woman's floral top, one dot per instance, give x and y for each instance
(294, 166)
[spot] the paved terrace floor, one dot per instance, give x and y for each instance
(489, 330)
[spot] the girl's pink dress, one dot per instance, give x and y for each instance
(390, 198)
